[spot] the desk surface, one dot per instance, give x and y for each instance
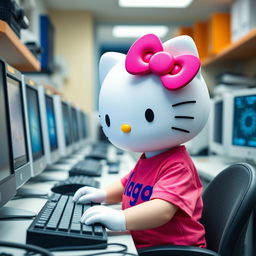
(210, 166)
(15, 230)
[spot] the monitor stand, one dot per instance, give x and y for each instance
(30, 193)
(15, 213)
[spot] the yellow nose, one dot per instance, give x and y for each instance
(126, 128)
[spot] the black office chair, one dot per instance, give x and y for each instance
(229, 200)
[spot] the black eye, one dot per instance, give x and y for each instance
(149, 115)
(107, 120)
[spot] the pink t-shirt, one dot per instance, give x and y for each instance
(170, 176)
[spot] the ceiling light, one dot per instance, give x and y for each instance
(155, 3)
(137, 31)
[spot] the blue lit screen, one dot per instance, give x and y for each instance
(34, 123)
(244, 122)
(51, 123)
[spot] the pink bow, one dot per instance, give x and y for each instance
(147, 55)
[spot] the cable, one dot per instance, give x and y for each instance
(87, 247)
(27, 247)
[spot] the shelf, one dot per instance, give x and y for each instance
(14, 52)
(243, 49)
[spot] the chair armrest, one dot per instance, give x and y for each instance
(176, 250)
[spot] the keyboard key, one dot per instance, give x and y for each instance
(87, 229)
(64, 223)
(75, 227)
(98, 230)
(55, 217)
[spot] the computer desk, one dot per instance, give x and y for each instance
(15, 230)
(210, 166)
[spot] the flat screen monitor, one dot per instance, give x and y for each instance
(7, 177)
(19, 135)
(35, 127)
(75, 130)
(217, 125)
(67, 126)
(46, 107)
(51, 123)
(242, 124)
(83, 124)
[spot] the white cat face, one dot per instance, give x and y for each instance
(139, 114)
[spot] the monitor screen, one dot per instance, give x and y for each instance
(83, 124)
(51, 123)
(244, 121)
(218, 122)
(34, 123)
(66, 124)
(19, 145)
(5, 167)
(74, 124)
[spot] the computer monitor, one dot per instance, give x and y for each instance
(83, 126)
(75, 128)
(18, 125)
(63, 124)
(242, 124)
(36, 151)
(217, 125)
(7, 177)
(49, 129)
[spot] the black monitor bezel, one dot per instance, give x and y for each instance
(20, 161)
(74, 118)
(217, 125)
(83, 123)
(69, 124)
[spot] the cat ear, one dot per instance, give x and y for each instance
(107, 62)
(181, 45)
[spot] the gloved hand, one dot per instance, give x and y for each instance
(89, 194)
(109, 217)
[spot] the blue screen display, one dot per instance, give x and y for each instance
(34, 123)
(244, 123)
(51, 123)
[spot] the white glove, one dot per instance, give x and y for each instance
(89, 194)
(109, 217)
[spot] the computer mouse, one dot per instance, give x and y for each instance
(66, 189)
(72, 184)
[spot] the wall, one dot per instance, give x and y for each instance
(74, 40)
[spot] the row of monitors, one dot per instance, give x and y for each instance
(233, 124)
(36, 130)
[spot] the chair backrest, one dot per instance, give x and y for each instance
(229, 201)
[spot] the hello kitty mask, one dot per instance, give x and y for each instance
(154, 98)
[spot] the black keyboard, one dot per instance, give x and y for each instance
(88, 167)
(58, 225)
(73, 183)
